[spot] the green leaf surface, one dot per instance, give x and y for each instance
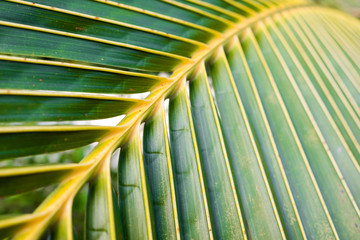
(159, 175)
(338, 63)
(57, 78)
(346, 160)
(97, 208)
(27, 108)
(134, 203)
(307, 196)
(119, 14)
(213, 9)
(323, 165)
(64, 227)
(251, 181)
(35, 140)
(42, 44)
(264, 140)
(261, 140)
(223, 200)
(325, 80)
(30, 15)
(21, 179)
(176, 10)
(188, 172)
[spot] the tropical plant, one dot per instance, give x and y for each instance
(248, 126)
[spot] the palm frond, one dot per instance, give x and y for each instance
(250, 127)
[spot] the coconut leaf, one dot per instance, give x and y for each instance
(241, 118)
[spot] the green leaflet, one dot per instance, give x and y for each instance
(159, 175)
(64, 229)
(57, 78)
(22, 179)
(127, 16)
(45, 139)
(187, 169)
(346, 160)
(251, 181)
(305, 189)
(40, 44)
(232, 7)
(15, 108)
(212, 9)
(322, 163)
(29, 15)
(174, 11)
(223, 201)
(134, 202)
(325, 81)
(101, 218)
(264, 139)
(338, 63)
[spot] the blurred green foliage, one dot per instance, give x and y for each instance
(28, 202)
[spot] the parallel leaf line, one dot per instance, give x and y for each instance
(170, 171)
(160, 16)
(336, 87)
(293, 131)
(200, 12)
(339, 36)
(80, 66)
(217, 8)
(249, 33)
(240, 6)
(135, 115)
(224, 152)
(67, 189)
(253, 143)
(93, 39)
(354, 30)
(106, 20)
(64, 94)
(18, 171)
(255, 4)
(271, 137)
(311, 117)
(315, 93)
(336, 80)
(329, 97)
(56, 128)
(349, 33)
(143, 183)
(198, 162)
(105, 170)
(341, 59)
